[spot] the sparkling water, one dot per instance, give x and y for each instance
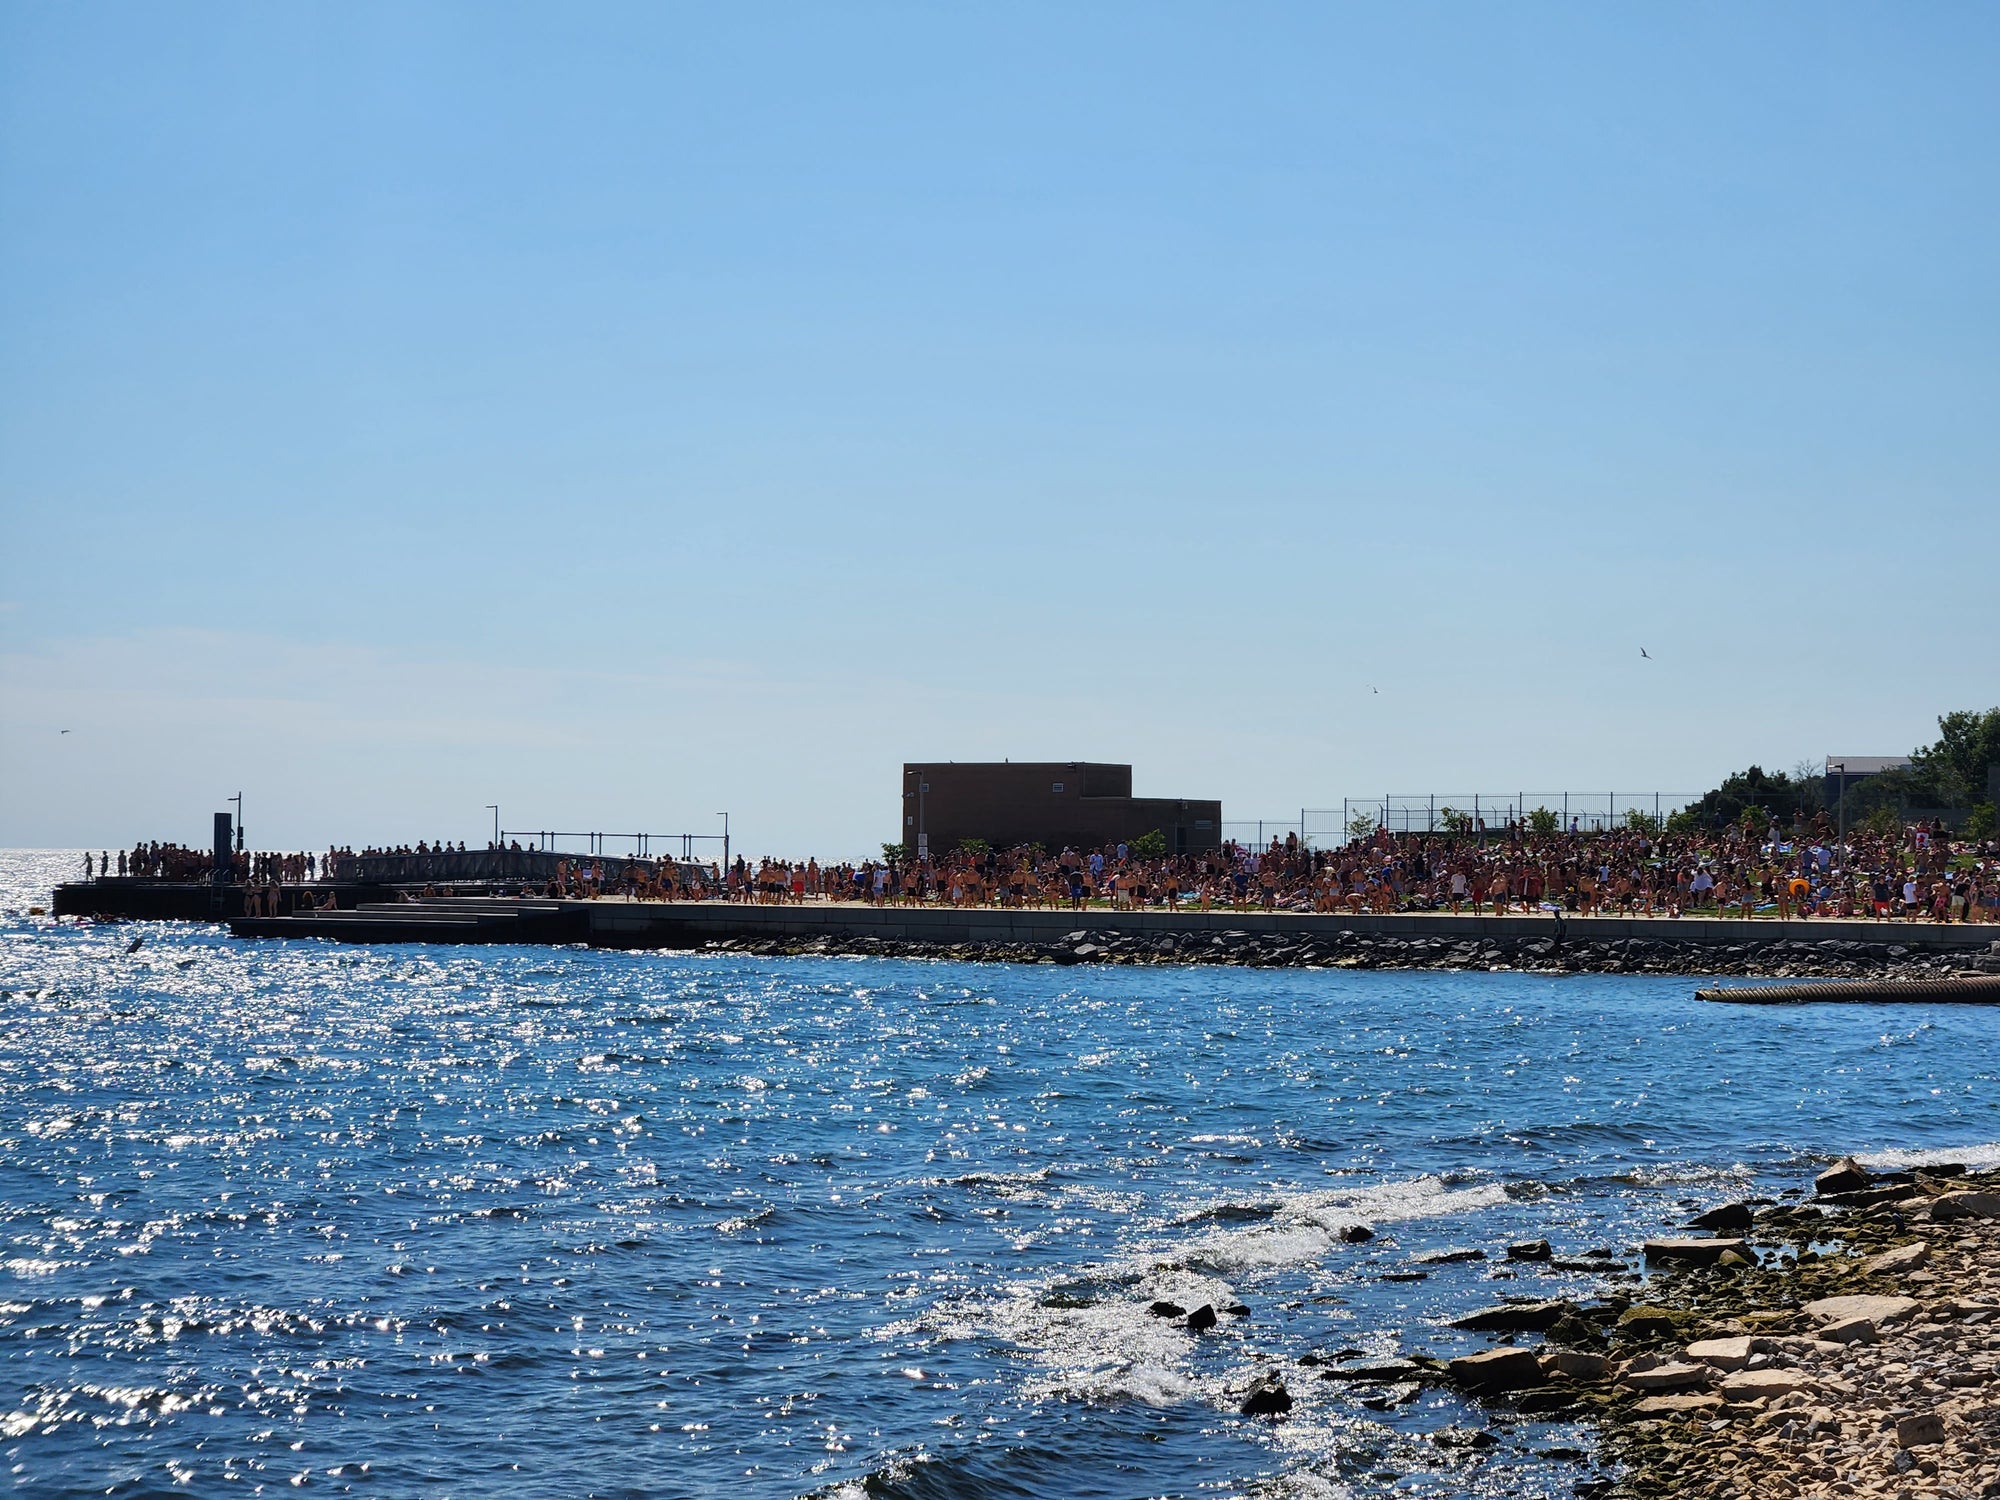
(541, 1221)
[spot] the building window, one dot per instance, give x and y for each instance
(1055, 786)
(908, 821)
(1203, 823)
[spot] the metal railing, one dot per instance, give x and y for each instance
(548, 840)
(1446, 812)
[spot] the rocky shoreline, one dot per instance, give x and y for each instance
(1560, 952)
(1846, 1346)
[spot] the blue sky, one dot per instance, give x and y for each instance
(623, 413)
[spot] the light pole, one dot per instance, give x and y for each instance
(725, 844)
(494, 808)
(1841, 810)
(238, 800)
(923, 836)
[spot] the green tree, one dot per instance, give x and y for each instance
(1543, 821)
(1148, 846)
(1953, 768)
(974, 847)
(1641, 822)
(1980, 824)
(1455, 822)
(895, 854)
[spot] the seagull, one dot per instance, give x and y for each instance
(1645, 653)
(65, 731)
(1375, 690)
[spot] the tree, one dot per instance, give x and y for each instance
(1543, 821)
(1955, 765)
(1148, 846)
(1773, 796)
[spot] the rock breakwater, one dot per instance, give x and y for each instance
(1559, 952)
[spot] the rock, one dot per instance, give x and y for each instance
(1515, 1317)
(1763, 1385)
(1497, 1370)
(1689, 1252)
(1919, 1430)
(1880, 1311)
(1572, 1330)
(1902, 1258)
(1575, 1364)
(1201, 1319)
(1463, 1437)
(1676, 1406)
(1845, 1176)
(1531, 1250)
(1393, 1397)
(1449, 1257)
(1676, 1375)
(1730, 1218)
(1356, 1234)
(1382, 1371)
(1643, 1322)
(1235, 1309)
(1965, 1206)
(1166, 1310)
(1267, 1398)
(1728, 1354)
(1849, 1331)
(1406, 1276)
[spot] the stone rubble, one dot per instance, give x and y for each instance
(1573, 952)
(1860, 1357)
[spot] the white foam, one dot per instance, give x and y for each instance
(1305, 1225)
(1986, 1154)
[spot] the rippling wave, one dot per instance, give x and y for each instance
(551, 1221)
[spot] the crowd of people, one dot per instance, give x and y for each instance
(1918, 872)
(157, 861)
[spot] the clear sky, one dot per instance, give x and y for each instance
(622, 413)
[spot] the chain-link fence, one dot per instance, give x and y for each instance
(1459, 812)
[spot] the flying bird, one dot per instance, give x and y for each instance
(65, 731)
(1645, 653)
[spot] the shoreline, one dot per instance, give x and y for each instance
(1839, 1345)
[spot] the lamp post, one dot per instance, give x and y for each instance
(238, 800)
(1840, 811)
(725, 844)
(923, 837)
(494, 808)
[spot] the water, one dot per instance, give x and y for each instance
(530, 1221)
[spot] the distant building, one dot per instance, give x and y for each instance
(1076, 804)
(1850, 770)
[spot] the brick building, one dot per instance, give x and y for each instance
(1078, 804)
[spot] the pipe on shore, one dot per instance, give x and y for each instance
(1984, 990)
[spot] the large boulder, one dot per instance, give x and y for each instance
(1728, 1354)
(1376, 1371)
(1497, 1370)
(1891, 1262)
(1531, 1250)
(1691, 1252)
(1515, 1317)
(1845, 1176)
(1267, 1398)
(1730, 1218)
(1763, 1385)
(1667, 1375)
(1965, 1206)
(1880, 1311)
